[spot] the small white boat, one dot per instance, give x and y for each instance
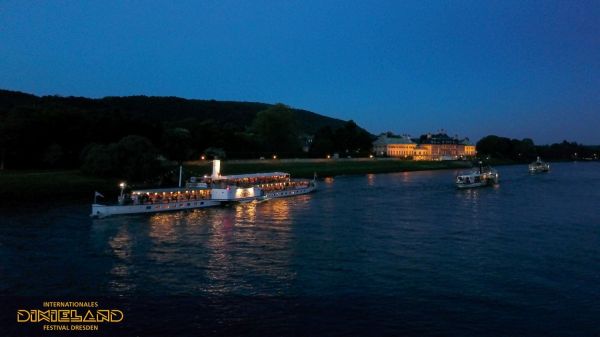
(539, 166)
(155, 200)
(483, 176)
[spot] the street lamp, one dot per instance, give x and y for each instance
(122, 186)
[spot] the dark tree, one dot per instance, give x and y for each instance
(352, 140)
(494, 146)
(100, 160)
(176, 144)
(525, 150)
(52, 131)
(276, 130)
(53, 155)
(323, 143)
(133, 158)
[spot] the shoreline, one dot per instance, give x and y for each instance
(31, 185)
(64, 185)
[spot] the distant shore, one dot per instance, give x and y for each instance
(19, 186)
(306, 168)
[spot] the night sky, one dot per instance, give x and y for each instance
(511, 68)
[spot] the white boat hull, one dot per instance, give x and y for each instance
(100, 211)
(479, 184)
(232, 195)
(290, 193)
(539, 169)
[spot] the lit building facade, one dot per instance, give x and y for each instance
(428, 147)
(388, 145)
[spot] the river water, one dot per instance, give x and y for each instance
(386, 254)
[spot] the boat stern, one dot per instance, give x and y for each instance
(99, 211)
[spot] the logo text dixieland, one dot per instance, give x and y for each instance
(69, 315)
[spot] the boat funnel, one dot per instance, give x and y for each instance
(216, 172)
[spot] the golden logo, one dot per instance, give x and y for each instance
(69, 316)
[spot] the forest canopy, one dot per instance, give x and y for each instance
(70, 132)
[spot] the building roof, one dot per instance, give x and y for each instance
(438, 138)
(386, 139)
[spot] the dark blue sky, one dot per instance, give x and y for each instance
(512, 68)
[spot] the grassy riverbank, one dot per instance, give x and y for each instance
(324, 167)
(18, 186)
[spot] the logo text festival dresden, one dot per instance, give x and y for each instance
(70, 316)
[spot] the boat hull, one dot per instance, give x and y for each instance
(271, 195)
(474, 185)
(100, 211)
(290, 193)
(538, 169)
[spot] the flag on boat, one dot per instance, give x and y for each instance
(98, 194)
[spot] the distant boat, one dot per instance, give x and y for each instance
(539, 166)
(483, 176)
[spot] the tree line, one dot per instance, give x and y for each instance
(525, 149)
(110, 140)
(138, 137)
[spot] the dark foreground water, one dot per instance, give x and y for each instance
(390, 254)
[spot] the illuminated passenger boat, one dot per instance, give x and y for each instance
(483, 176)
(206, 191)
(254, 186)
(155, 200)
(539, 166)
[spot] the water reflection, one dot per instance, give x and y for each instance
(162, 226)
(246, 212)
(411, 241)
(121, 245)
(278, 211)
(469, 197)
(208, 251)
(371, 179)
(250, 239)
(470, 202)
